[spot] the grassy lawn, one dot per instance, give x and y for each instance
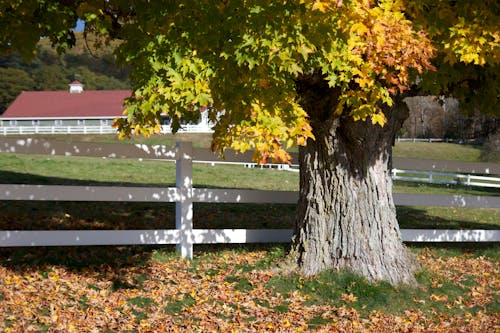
(438, 151)
(42, 169)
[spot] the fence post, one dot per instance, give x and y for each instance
(184, 205)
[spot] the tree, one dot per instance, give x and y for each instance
(491, 148)
(467, 37)
(52, 77)
(328, 76)
(12, 83)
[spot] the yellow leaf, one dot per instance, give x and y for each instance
(349, 298)
(421, 301)
(321, 6)
(359, 29)
(379, 118)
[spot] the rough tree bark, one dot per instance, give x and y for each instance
(346, 215)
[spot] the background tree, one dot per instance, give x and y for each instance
(49, 70)
(467, 35)
(328, 76)
(491, 148)
(52, 77)
(12, 82)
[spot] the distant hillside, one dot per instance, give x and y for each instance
(94, 67)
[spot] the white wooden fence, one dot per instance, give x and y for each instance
(184, 235)
(21, 130)
(84, 129)
(461, 141)
(432, 177)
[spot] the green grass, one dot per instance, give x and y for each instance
(438, 151)
(328, 287)
(62, 170)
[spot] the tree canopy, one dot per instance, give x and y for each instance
(248, 57)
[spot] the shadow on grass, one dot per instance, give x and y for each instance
(69, 215)
(410, 217)
(77, 257)
(111, 262)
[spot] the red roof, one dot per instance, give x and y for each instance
(62, 104)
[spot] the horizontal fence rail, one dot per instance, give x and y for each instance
(184, 195)
(432, 177)
(209, 236)
(208, 195)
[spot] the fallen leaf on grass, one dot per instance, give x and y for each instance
(349, 298)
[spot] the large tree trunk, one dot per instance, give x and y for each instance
(346, 215)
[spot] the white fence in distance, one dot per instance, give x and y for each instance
(21, 130)
(461, 141)
(430, 177)
(185, 236)
(445, 178)
(84, 129)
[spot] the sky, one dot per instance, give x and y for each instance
(80, 25)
